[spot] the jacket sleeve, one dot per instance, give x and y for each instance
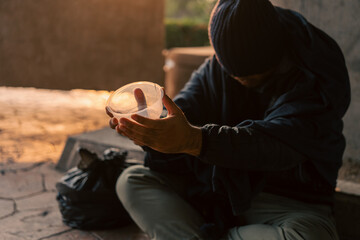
(246, 148)
(297, 128)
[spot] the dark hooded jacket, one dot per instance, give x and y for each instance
(284, 137)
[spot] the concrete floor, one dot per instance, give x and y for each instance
(34, 126)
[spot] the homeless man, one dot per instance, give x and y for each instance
(251, 146)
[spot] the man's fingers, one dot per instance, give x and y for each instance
(137, 131)
(140, 99)
(134, 127)
(170, 105)
(118, 130)
(113, 123)
(138, 143)
(148, 122)
(108, 112)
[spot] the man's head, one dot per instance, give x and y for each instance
(247, 37)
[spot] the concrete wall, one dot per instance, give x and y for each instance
(92, 44)
(341, 20)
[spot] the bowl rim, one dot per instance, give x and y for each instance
(127, 85)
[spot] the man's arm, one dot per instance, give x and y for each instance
(247, 148)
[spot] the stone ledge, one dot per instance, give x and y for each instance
(347, 187)
(347, 210)
(96, 141)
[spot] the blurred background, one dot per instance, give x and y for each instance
(94, 44)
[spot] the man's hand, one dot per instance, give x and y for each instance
(173, 134)
(141, 102)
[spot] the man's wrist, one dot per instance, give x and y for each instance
(194, 141)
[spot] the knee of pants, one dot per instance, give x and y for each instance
(128, 180)
(254, 232)
(310, 228)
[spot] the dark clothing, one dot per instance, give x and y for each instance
(284, 135)
(250, 29)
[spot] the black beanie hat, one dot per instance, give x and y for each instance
(247, 36)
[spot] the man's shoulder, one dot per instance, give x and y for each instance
(211, 68)
(289, 14)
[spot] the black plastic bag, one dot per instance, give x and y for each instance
(86, 193)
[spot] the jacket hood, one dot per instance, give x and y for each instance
(319, 55)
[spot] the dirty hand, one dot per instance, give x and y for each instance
(173, 134)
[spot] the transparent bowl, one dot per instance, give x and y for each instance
(142, 98)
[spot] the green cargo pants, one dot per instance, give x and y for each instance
(154, 202)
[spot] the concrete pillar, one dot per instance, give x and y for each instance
(340, 19)
(90, 44)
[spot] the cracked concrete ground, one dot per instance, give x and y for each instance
(34, 126)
